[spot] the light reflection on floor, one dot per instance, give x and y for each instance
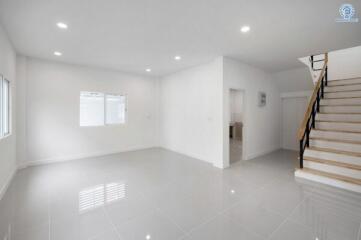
(99, 195)
(163, 195)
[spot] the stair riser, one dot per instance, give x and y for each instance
(333, 157)
(336, 145)
(336, 135)
(333, 169)
(339, 117)
(346, 101)
(328, 181)
(339, 126)
(343, 88)
(343, 94)
(340, 109)
(344, 82)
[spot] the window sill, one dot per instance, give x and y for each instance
(106, 125)
(5, 137)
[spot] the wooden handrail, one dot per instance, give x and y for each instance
(302, 129)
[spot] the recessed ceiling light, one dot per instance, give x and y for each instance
(56, 53)
(245, 29)
(148, 70)
(148, 237)
(177, 58)
(62, 25)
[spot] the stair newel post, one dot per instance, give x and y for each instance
(318, 101)
(326, 75)
(313, 115)
(322, 86)
(301, 153)
(308, 133)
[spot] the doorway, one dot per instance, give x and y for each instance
(236, 125)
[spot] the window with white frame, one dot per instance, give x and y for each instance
(99, 109)
(4, 107)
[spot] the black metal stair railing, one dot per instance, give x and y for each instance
(309, 121)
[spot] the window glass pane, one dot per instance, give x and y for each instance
(115, 109)
(91, 109)
(6, 107)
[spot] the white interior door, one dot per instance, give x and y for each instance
(293, 110)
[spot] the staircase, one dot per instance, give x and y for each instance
(330, 135)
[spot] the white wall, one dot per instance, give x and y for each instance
(8, 144)
(191, 112)
(342, 64)
(195, 111)
(292, 80)
(50, 104)
(345, 63)
(236, 106)
(261, 129)
(293, 111)
(295, 85)
(21, 139)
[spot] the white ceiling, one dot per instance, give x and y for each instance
(132, 35)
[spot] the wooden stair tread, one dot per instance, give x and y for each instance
(340, 105)
(355, 90)
(335, 140)
(329, 98)
(333, 162)
(341, 113)
(336, 121)
(344, 79)
(334, 176)
(335, 130)
(346, 84)
(330, 150)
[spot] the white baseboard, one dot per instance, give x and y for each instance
(261, 153)
(248, 157)
(289, 148)
(195, 156)
(6, 185)
(81, 156)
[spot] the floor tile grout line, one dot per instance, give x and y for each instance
(287, 218)
(290, 215)
(163, 213)
(171, 220)
(114, 227)
(111, 223)
(189, 232)
(267, 209)
(248, 230)
(218, 214)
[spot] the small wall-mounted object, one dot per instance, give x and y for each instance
(262, 99)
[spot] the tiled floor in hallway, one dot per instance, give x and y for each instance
(160, 195)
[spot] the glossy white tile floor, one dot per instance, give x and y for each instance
(235, 150)
(161, 195)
